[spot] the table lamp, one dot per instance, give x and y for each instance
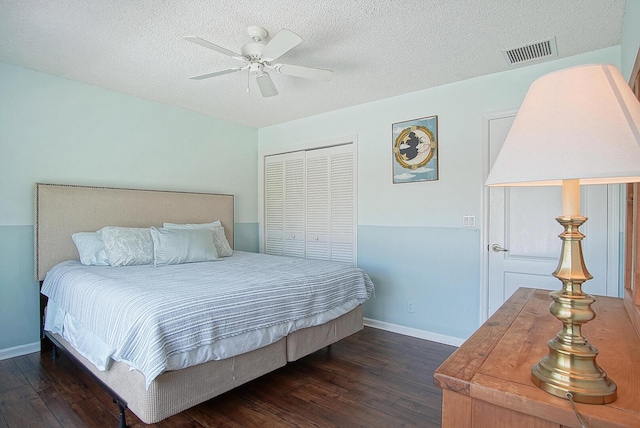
(577, 126)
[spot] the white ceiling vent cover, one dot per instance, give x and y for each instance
(544, 49)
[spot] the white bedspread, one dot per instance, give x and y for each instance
(161, 318)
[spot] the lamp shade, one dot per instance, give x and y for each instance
(578, 123)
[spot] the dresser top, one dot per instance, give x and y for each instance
(494, 364)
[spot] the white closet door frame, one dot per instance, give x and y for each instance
(310, 145)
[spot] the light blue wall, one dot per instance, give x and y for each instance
(433, 267)
(60, 131)
(630, 37)
(410, 236)
(19, 292)
(245, 237)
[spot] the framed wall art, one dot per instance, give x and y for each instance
(415, 150)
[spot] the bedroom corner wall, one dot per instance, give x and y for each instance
(60, 131)
(410, 236)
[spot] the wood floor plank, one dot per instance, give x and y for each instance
(35, 376)
(22, 407)
(422, 413)
(270, 386)
(63, 412)
(46, 389)
(325, 405)
(373, 378)
(390, 379)
(305, 416)
(10, 376)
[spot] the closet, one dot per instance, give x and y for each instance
(310, 204)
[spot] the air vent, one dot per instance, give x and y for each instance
(544, 49)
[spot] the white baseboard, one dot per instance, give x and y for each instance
(17, 351)
(414, 332)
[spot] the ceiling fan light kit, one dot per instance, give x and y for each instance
(257, 56)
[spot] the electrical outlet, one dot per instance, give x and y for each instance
(410, 306)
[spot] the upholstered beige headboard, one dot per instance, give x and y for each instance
(62, 210)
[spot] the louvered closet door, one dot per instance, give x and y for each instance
(285, 204)
(331, 213)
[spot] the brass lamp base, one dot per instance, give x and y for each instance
(570, 366)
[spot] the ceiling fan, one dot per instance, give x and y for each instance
(258, 56)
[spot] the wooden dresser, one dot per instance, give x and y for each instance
(487, 381)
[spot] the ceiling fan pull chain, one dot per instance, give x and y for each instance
(248, 76)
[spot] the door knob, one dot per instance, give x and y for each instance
(498, 249)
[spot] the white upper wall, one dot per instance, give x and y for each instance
(630, 37)
(460, 107)
(60, 131)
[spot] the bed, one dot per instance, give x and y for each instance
(157, 393)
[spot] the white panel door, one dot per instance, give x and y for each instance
(285, 204)
(523, 242)
(318, 207)
(274, 205)
(343, 205)
(331, 220)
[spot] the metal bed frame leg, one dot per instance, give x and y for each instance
(54, 352)
(122, 423)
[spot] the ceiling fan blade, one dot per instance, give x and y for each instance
(304, 72)
(209, 45)
(280, 44)
(216, 73)
(266, 85)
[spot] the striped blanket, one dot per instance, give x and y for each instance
(148, 314)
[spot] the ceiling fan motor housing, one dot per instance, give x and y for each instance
(257, 33)
(252, 51)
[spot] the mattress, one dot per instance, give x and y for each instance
(157, 319)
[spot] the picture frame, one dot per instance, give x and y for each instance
(415, 150)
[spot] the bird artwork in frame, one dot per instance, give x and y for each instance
(415, 150)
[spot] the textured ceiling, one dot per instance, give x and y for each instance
(377, 49)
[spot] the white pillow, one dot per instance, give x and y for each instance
(90, 248)
(126, 246)
(175, 246)
(220, 241)
(219, 238)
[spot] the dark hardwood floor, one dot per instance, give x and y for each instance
(373, 378)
